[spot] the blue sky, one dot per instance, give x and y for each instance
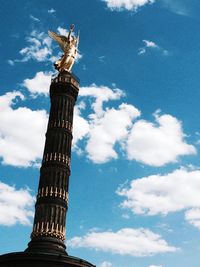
(135, 182)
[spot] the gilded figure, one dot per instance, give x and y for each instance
(69, 45)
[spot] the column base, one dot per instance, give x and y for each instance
(46, 245)
(31, 259)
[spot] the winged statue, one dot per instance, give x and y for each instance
(69, 45)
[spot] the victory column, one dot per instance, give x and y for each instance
(47, 247)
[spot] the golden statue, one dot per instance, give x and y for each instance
(69, 45)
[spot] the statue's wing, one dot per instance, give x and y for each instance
(60, 39)
(77, 39)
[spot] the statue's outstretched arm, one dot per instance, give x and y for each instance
(70, 32)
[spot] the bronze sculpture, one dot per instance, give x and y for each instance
(69, 45)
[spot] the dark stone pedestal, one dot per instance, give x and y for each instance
(30, 259)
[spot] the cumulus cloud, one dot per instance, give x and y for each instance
(155, 144)
(158, 143)
(111, 128)
(155, 266)
(176, 6)
(21, 132)
(16, 206)
(100, 94)
(103, 134)
(130, 5)
(163, 194)
(39, 84)
(134, 242)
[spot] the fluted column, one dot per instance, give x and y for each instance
(52, 199)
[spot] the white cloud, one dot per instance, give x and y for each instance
(34, 18)
(155, 144)
(155, 266)
(150, 45)
(16, 206)
(78, 57)
(141, 51)
(163, 194)
(101, 59)
(131, 5)
(109, 129)
(100, 127)
(158, 143)
(193, 217)
(38, 48)
(80, 126)
(134, 242)
(126, 216)
(62, 31)
(51, 11)
(106, 264)
(38, 84)
(100, 94)
(21, 132)
(11, 62)
(177, 6)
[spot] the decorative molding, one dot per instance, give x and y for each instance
(60, 124)
(50, 191)
(48, 229)
(68, 79)
(56, 157)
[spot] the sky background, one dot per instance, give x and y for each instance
(134, 196)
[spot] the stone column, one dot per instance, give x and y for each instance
(49, 225)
